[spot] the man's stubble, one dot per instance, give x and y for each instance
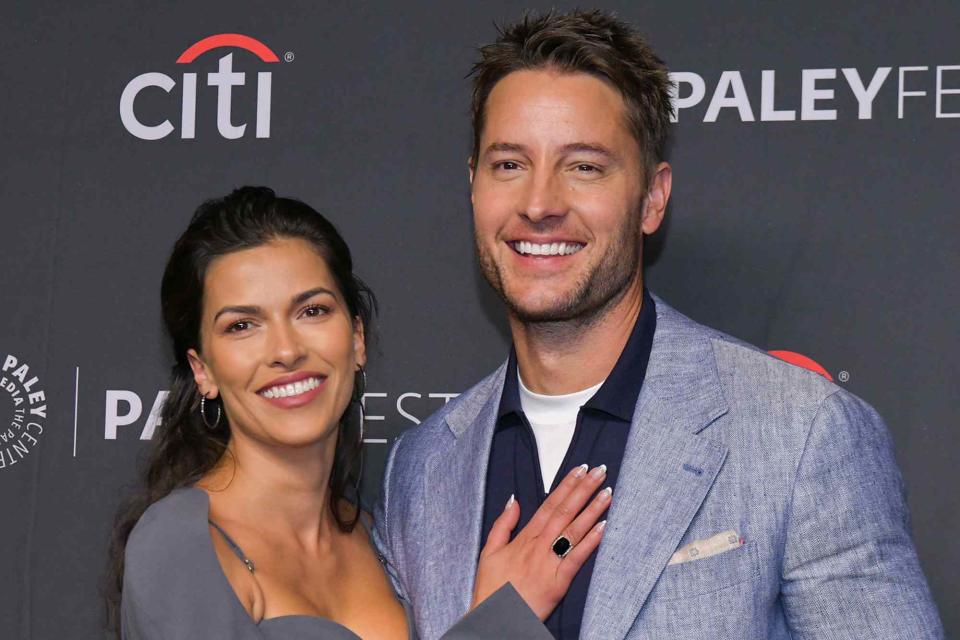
(592, 293)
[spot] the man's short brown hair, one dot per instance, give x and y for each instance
(591, 42)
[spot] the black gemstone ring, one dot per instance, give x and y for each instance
(561, 546)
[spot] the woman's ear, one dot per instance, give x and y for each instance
(202, 376)
(359, 342)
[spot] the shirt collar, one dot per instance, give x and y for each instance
(618, 394)
(510, 399)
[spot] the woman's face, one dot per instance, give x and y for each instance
(278, 344)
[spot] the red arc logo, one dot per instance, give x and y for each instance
(801, 360)
(237, 40)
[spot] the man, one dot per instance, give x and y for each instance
(751, 499)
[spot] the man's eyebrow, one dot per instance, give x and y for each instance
(587, 147)
(573, 147)
(509, 147)
(253, 310)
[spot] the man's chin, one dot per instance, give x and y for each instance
(554, 310)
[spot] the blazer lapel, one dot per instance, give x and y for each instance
(456, 482)
(666, 473)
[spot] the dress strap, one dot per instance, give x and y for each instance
(234, 546)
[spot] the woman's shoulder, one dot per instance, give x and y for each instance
(173, 587)
(170, 533)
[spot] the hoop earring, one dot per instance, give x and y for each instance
(360, 470)
(363, 416)
(203, 413)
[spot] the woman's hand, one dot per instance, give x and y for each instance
(528, 562)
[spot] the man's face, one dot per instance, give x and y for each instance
(558, 196)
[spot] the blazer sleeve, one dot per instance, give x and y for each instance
(503, 615)
(382, 540)
(850, 569)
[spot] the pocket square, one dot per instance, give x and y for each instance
(698, 549)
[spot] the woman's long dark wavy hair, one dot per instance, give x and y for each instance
(184, 449)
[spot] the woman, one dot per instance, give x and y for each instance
(247, 527)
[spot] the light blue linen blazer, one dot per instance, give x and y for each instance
(723, 437)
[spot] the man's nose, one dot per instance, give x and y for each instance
(544, 197)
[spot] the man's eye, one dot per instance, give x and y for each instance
(586, 168)
(507, 164)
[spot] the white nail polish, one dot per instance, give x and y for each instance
(599, 472)
(601, 526)
(580, 471)
(605, 494)
(509, 502)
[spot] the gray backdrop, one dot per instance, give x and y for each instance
(830, 231)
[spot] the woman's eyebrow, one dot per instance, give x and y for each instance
(249, 310)
(253, 310)
(309, 293)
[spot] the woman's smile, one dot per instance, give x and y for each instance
(293, 391)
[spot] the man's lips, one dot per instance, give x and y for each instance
(292, 386)
(546, 248)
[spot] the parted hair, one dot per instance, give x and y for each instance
(593, 42)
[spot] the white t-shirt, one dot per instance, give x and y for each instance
(553, 420)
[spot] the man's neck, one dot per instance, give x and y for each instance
(563, 357)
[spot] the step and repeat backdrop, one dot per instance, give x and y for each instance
(815, 211)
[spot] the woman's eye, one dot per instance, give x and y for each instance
(237, 327)
(315, 311)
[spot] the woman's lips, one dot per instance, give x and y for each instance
(293, 394)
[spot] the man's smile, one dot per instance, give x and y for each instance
(527, 248)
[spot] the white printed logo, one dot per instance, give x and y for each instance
(817, 93)
(224, 79)
(29, 411)
(124, 407)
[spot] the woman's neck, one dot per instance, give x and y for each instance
(277, 490)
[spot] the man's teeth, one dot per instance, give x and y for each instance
(292, 389)
(548, 249)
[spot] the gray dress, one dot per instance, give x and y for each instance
(174, 588)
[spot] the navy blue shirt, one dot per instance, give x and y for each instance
(600, 437)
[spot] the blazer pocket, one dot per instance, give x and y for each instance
(707, 575)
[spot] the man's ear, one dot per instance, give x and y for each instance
(472, 167)
(201, 375)
(658, 194)
(359, 342)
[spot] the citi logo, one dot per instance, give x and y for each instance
(224, 79)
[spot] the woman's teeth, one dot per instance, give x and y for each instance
(292, 389)
(547, 249)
